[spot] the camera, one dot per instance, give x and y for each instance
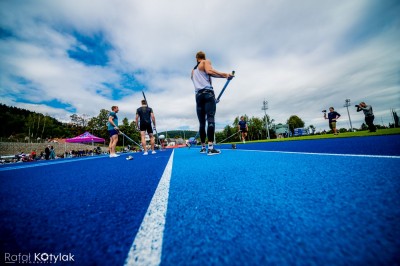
(356, 106)
(324, 111)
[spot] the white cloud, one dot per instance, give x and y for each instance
(302, 57)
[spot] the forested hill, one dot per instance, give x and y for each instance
(20, 123)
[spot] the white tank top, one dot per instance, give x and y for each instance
(201, 80)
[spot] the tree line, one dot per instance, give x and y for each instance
(258, 128)
(24, 125)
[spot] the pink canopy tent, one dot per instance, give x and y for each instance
(84, 138)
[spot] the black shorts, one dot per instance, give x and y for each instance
(113, 132)
(146, 127)
(244, 130)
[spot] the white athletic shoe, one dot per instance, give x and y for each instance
(145, 153)
(153, 152)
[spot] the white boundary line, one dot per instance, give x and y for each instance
(49, 162)
(326, 154)
(147, 246)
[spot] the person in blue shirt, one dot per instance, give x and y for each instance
(113, 130)
(333, 116)
(243, 128)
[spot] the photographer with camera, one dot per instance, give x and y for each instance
(369, 115)
(333, 116)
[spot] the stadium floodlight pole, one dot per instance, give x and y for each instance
(347, 104)
(265, 108)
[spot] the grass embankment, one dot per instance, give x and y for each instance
(379, 132)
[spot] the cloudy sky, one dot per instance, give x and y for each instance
(65, 56)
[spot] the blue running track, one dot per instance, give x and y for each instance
(91, 208)
(319, 202)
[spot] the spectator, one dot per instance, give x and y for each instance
(33, 155)
(47, 152)
(52, 153)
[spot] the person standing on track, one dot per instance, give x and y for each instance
(113, 130)
(146, 115)
(205, 100)
(369, 115)
(243, 128)
(333, 116)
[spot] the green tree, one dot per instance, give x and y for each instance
(98, 124)
(30, 124)
(220, 136)
(130, 130)
(75, 120)
(256, 127)
(312, 129)
(295, 122)
(134, 133)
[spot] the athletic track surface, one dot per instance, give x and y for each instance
(317, 202)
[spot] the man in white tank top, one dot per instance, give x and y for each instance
(205, 100)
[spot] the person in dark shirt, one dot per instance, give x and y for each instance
(47, 152)
(243, 128)
(333, 116)
(146, 116)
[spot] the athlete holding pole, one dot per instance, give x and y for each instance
(146, 115)
(205, 100)
(112, 126)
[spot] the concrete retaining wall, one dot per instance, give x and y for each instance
(12, 148)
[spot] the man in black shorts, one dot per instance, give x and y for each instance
(243, 128)
(146, 115)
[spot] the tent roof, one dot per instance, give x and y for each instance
(85, 137)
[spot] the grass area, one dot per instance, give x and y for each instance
(379, 132)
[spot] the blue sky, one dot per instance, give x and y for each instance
(65, 57)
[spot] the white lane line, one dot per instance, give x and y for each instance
(147, 246)
(326, 154)
(58, 161)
